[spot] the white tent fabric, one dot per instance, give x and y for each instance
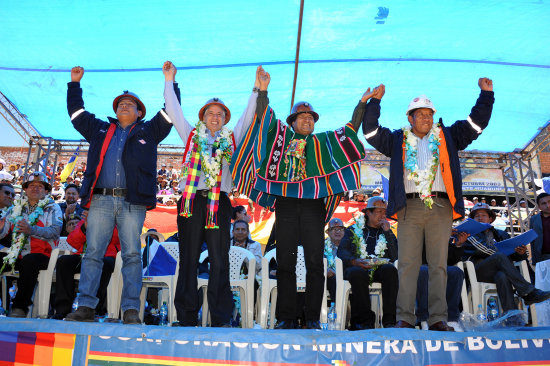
(437, 48)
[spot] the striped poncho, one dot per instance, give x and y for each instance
(262, 170)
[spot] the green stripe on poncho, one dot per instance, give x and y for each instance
(332, 162)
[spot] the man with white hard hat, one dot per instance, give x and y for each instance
(425, 191)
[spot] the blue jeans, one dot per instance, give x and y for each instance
(105, 213)
(455, 278)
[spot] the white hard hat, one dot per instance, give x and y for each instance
(421, 101)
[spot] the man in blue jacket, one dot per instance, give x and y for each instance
(540, 247)
(118, 188)
(495, 267)
(428, 197)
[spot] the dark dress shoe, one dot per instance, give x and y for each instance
(313, 324)
(286, 324)
(441, 327)
(131, 316)
(536, 296)
(82, 314)
(403, 324)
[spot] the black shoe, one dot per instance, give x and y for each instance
(82, 314)
(286, 324)
(313, 324)
(536, 296)
(59, 316)
(441, 326)
(131, 316)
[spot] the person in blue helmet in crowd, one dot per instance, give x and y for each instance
(119, 186)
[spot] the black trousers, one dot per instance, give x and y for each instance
(67, 267)
(299, 222)
(191, 236)
(28, 268)
(500, 269)
(361, 312)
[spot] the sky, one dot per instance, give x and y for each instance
(436, 48)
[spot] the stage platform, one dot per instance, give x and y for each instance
(53, 342)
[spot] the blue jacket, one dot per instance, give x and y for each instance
(456, 137)
(139, 157)
(347, 249)
(535, 223)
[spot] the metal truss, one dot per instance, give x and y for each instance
(518, 177)
(17, 120)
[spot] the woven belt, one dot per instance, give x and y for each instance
(115, 192)
(435, 194)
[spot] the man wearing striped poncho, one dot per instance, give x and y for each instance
(301, 174)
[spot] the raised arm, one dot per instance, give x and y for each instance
(465, 131)
(171, 101)
(84, 122)
(248, 115)
(359, 111)
(380, 138)
(262, 78)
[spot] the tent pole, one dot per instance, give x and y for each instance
(297, 52)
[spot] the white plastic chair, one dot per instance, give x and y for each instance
(114, 288)
(343, 290)
(167, 281)
(466, 304)
(268, 289)
(481, 291)
(41, 302)
(47, 277)
(237, 257)
(43, 276)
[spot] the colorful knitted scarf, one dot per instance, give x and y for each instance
(193, 168)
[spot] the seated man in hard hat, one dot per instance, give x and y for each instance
(118, 187)
(425, 192)
(33, 223)
(302, 174)
(495, 267)
(366, 252)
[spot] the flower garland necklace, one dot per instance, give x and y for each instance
(423, 179)
(222, 146)
(361, 246)
(328, 254)
(19, 240)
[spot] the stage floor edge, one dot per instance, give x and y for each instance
(54, 342)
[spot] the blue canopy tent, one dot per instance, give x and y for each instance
(437, 48)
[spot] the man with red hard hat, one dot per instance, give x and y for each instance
(204, 210)
(119, 186)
